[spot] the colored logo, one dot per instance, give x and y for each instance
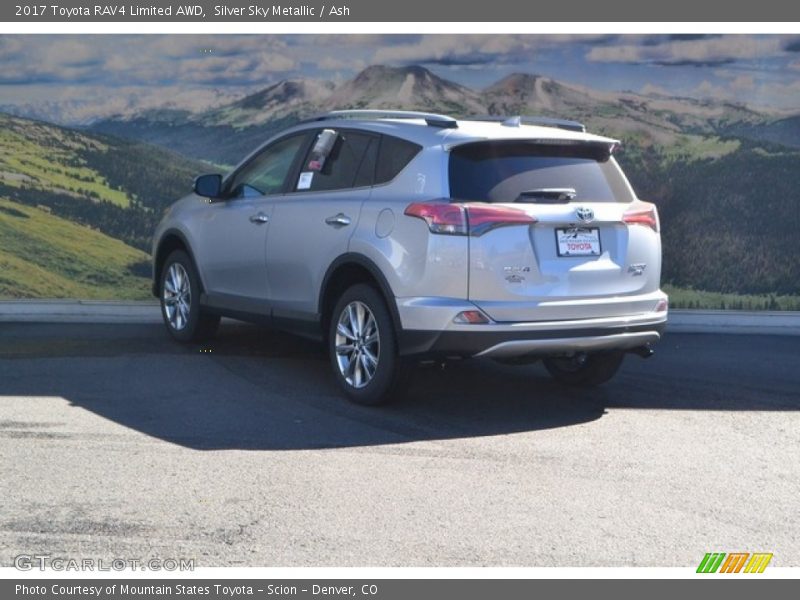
(734, 562)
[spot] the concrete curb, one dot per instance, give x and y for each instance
(91, 311)
(78, 311)
(734, 321)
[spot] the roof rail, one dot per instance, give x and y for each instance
(431, 119)
(518, 121)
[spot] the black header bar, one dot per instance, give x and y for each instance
(452, 11)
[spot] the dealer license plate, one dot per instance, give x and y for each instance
(578, 241)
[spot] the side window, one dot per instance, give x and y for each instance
(366, 173)
(267, 172)
(393, 156)
(346, 166)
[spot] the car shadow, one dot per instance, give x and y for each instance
(257, 389)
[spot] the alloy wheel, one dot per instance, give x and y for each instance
(177, 296)
(357, 344)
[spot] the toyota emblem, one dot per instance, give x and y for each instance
(585, 214)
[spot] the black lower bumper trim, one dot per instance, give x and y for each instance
(423, 343)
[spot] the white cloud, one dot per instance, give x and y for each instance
(459, 49)
(122, 60)
(650, 89)
(331, 63)
(745, 89)
(699, 51)
(706, 89)
(743, 83)
(83, 104)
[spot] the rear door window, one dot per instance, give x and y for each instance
(344, 167)
(514, 171)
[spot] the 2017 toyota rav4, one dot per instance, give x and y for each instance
(396, 237)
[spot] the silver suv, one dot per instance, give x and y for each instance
(397, 237)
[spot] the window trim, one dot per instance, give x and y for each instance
(289, 183)
(298, 168)
(304, 148)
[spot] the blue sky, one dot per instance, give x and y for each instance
(77, 78)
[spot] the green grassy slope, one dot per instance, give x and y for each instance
(46, 158)
(728, 221)
(699, 299)
(44, 256)
(77, 210)
(118, 186)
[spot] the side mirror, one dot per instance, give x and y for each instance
(208, 186)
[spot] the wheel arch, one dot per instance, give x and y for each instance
(346, 271)
(171, 240)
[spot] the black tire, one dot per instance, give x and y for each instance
(390, 374)
(198, 325)
(585, 370)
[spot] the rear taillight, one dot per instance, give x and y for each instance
(466, 219)
(441, 217)
(642, 214)
(483, 217)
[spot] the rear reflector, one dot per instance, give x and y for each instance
(662, 305)
(466, 219)
(643, 214)
(471, 317)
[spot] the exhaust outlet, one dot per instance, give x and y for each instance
(642, 351)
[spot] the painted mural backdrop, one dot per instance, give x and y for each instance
(98, 134)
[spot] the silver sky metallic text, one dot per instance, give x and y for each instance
(278, 10)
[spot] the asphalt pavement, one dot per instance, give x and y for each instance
(117, 442)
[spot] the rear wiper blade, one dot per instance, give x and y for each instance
(550, 195)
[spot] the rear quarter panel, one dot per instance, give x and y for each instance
(414, 262)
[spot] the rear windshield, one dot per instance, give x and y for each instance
(518, 171)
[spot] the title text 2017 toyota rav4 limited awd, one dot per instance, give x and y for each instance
(397, 236)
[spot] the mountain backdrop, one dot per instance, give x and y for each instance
(721, 173)
(224, 134)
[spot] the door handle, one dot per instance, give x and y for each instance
(259, 218)
(340, 220)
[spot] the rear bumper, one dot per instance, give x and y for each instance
(536, 338)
